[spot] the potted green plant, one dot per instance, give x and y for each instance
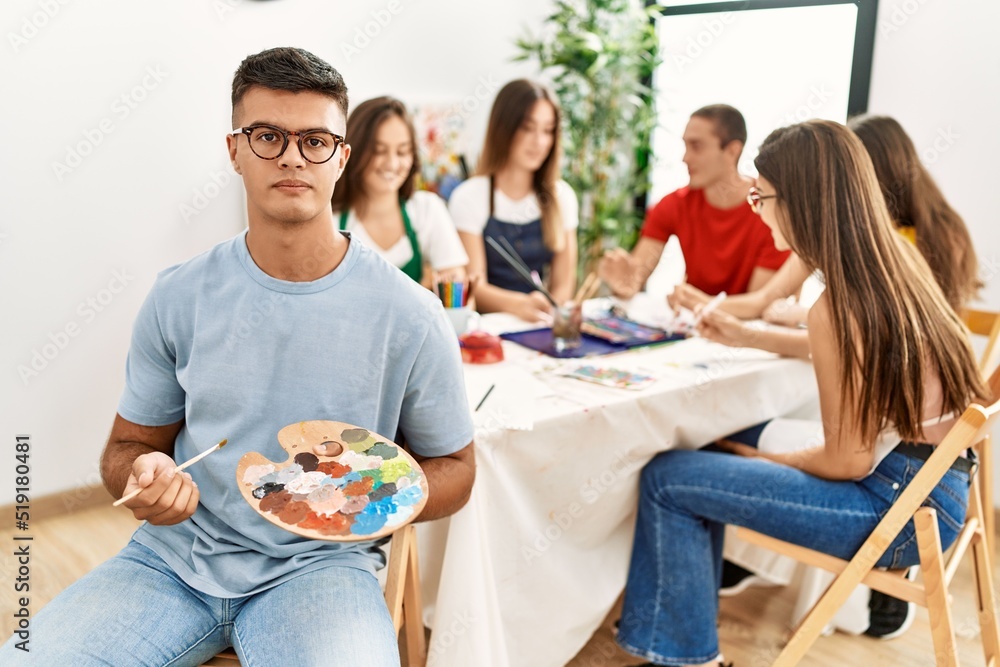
(600, 56)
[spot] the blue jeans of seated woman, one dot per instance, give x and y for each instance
(686, 499)
(133, 610)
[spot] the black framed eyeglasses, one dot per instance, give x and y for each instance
(269, 142)
(756, 199)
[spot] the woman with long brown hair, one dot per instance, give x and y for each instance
(893, 365)
(517, 195)
(375, 198)
(922, 214)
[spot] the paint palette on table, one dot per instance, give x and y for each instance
(369, 489)
(610, 377)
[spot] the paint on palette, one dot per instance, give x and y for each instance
(371, 488)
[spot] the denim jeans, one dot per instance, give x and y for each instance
(686, 499)
(132, 610)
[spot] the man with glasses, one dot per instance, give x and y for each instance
(726, 247)
(287, 322)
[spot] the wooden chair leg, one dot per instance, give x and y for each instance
(413, 606)
(813, 624)
(932, 568)
(399, 554)
(985, 475)
(982, 563)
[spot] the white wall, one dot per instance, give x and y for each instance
(65, 236)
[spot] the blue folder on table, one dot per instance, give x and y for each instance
(604, 335)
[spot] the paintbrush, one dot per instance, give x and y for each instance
(709, 307)
(186, 464)
(520, 260)
(521, 270)
(587, 288)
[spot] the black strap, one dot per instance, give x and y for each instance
(923, 451)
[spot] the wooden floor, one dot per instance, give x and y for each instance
(752, 625)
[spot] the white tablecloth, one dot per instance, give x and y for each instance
(524, 574)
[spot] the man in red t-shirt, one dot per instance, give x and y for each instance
(726, 246)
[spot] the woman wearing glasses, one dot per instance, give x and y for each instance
(375, 198)
(889, 386)
(922, 216)
(519, 197)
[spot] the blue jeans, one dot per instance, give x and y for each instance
(133, 610)
(687, 498)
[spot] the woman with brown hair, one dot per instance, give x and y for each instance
(375, 198)
(922, 214)
(518, 196)
(893, 365)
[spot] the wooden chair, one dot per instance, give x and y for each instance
(986, 323)
(402, 596)
(932, 592)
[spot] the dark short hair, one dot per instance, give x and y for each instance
(288, 68)
(729, 122)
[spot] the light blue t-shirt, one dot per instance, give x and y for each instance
(239, 354)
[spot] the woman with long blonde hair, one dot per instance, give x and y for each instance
(893, 365)
(517, 195)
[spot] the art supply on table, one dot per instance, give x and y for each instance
(479, 347)
(610, 377)
(191, 461)
(588, 288)
(622, 331)
(709, 307)
(366, 488)
(521, 269)
(485, 396)
(453, 294)
(566, 321)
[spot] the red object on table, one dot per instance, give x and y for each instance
(479, 347)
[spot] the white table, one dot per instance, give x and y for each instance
(524, 574)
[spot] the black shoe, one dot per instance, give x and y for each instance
(736, 579)
(890, 617)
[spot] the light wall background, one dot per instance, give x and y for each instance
(114, 164)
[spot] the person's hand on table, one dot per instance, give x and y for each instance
(533, 307)
(687, 296)
(721, 327)
(786, 312)
(617, 269)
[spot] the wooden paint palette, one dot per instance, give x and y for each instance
(371, 488)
